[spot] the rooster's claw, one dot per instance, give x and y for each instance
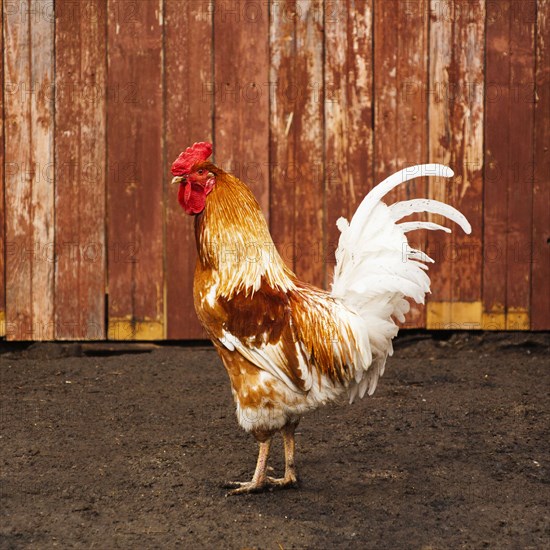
(244, 487)
(270, 483)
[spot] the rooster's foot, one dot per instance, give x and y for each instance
(270, 483)
(245, 487)
(287, 482)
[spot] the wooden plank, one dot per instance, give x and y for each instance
(135, 170)
(282, 146)
(2, 205)
(189, 108)
(540, 311)
(456, 106)
(509, 164)
(80, 169)
(497, 74)
(520, 181)
(349, 125)
(401, 127)
(29, 157)
(297, 164)
(241, 93)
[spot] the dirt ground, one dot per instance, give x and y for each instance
(130, 450)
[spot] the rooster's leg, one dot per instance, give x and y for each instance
(291, 478)
(259, 480)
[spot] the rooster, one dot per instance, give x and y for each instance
(289, 347)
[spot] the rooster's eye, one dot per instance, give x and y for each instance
(200, 172)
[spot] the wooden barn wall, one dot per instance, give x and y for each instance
(311, 102)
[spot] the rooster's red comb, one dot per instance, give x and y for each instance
(199, 152)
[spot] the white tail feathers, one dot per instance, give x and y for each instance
(376, 269)
(373, 247)
(382, 189)
(412, 226)
(401, 209)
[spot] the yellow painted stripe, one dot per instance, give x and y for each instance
(494, 321)
(454, 315)
(517, 319)
(125, 329)
(470, 316)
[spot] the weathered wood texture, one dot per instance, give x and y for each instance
(80, 118)
(540, 282)
(349, 128)
(455, 100)
(2, 204)
(29, 162)
(311, 102)
(400, 121)
(297, 151)
(509, 146)
(189, 110)
(135, 170)
(240, 92)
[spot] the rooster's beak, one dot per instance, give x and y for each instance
(178, 179)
